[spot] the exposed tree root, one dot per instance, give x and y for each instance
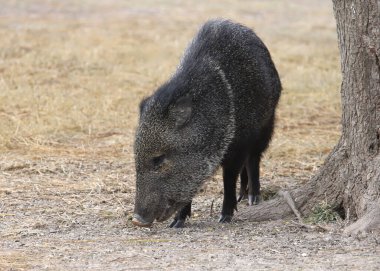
(367, 223)
(274, 209)
(278, 208)
(323, 186)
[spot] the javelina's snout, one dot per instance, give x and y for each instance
(153, 208)
(139, 221)
(149, 207)
(146, 207)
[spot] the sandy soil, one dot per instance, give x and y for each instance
(74, 214)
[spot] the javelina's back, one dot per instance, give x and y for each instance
(240, 57)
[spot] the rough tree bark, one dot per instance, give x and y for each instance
(350, 176)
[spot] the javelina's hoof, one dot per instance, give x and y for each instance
(253, 200)
(180, 223)
(225, 219)
(241, 197)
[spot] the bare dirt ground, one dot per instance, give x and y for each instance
(71, 77)
(70, 214)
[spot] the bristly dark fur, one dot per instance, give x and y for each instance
(217, 109)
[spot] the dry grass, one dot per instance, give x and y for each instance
(72, 74)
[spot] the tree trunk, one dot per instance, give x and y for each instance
(350, 176)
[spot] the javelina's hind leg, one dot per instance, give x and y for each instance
(230, 175)
(180, 218)
(253, 162)
(253, 172)
(243, 184)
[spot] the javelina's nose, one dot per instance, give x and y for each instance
(139, 221)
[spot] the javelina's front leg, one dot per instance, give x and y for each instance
(180, 218)
(229, 202)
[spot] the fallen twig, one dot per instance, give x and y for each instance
(291, 203)
(289, 200)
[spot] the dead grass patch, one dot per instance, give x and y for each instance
(72, 73)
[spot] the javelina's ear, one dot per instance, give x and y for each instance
(181, 111)
(143, 103)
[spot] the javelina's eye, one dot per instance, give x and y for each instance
(158, 160)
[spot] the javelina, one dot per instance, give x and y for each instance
(217, 109)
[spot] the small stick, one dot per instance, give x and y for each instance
(291, 204)
(211, 208)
